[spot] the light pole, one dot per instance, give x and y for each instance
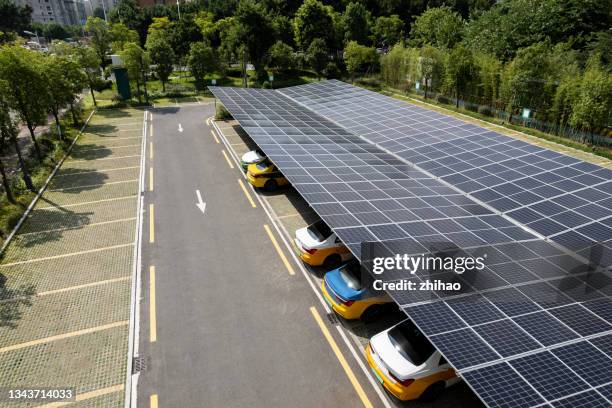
(178, 7)
(104, 10)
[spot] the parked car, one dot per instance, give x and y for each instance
(317, 245)
(346, 293)
(251, 157)
(265, 175)
(406, 363)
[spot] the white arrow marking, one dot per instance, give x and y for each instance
(200, 204)
(180, 129)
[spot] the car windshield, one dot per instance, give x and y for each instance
(411, 343)
(319, 230)
(263, 165)
(351, 275)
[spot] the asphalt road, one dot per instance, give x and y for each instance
(233, 328)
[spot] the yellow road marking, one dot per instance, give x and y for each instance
(151, 151)
(229, 162)
(63, 336)
(60, 207)
(151, 178)
(86, 396)
(47, 258)
(215, 136)
(153, 401)
(151, 224)
(151, 135)
(247, 194)
(340, 357)
(86, 285)
(279, 250)
(152, 306)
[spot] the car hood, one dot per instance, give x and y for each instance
(393, 360)
(251, 157)
(306, 239)
(336, 283)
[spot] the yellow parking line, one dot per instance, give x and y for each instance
(63, 336)
(214, 135)
(150, 150)
(279, 250)
(85, 396)
(229, 162)
(246, 193)
(153, 401)
(48, 258)
(151, 178)
(341, 359)
(152, 306)
(151, 224)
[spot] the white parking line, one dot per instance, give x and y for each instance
(61, 207)
(104, 158)
(76, 173)
(94, 224)
(48, 258)
(93, 185)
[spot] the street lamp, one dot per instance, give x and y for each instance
(178, 7)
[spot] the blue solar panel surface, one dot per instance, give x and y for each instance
(533, 296)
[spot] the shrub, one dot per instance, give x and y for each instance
(485, 110)
(471, 107)
(222, 113)
(266, 85)
(331, 70)
(443, 99)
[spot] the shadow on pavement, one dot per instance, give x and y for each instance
(12, 302)
(87, 152)
(73, 180)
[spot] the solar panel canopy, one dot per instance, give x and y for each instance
(534, 328)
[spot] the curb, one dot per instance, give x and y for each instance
(43, 188)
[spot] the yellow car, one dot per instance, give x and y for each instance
(407, 364)
(345, 292)
(317, 245)
(265, 175)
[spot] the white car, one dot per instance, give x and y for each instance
(317, 245)
(252, 157)
(406, 363)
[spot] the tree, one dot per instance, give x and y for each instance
(162, 57)
(438, 26)
(317, 56)
(388, 30)
(27, 90)
(65, 81)
(356, 23)
(202, 60)
(431, 67)
(100, 38)
(137, 63)
(13, 18)
(460, 71)
(592, 104)
(88, 60)
(489, 69)
(394, 65)
(359, 58)
(55, 31)
(9, 131)
(255, 32)
(313, 20)
(280, 57)
(119, 35)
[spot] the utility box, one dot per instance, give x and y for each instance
(122, 79)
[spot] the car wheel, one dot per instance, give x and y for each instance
(271, 185)
(433, 391)
(332, 261)
(372, 313)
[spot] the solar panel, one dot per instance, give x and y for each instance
(531, 183)
(532, 297)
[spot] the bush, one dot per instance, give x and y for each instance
(116, 98)
(443, 99)
(100, 85)
(332, 71)
(223, 113)
(266, 85)
(485, 110)
(471, 107)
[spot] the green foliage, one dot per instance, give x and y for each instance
(201, 60)
(222, 113)
(331, 70)
(13, 18)
(280, 57)
(137, 63)
(100, 37)
(459, 71)
(120, 35)
(591, 108)
(317, 55)
(313, 20)
(255, 31)
(431, 67)
(359, 58)
(388, 30)
(160, 50)
(439, 26)
(356, 23)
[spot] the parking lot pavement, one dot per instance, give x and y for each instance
(292, 212)
(65, 278)
(224, 322)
